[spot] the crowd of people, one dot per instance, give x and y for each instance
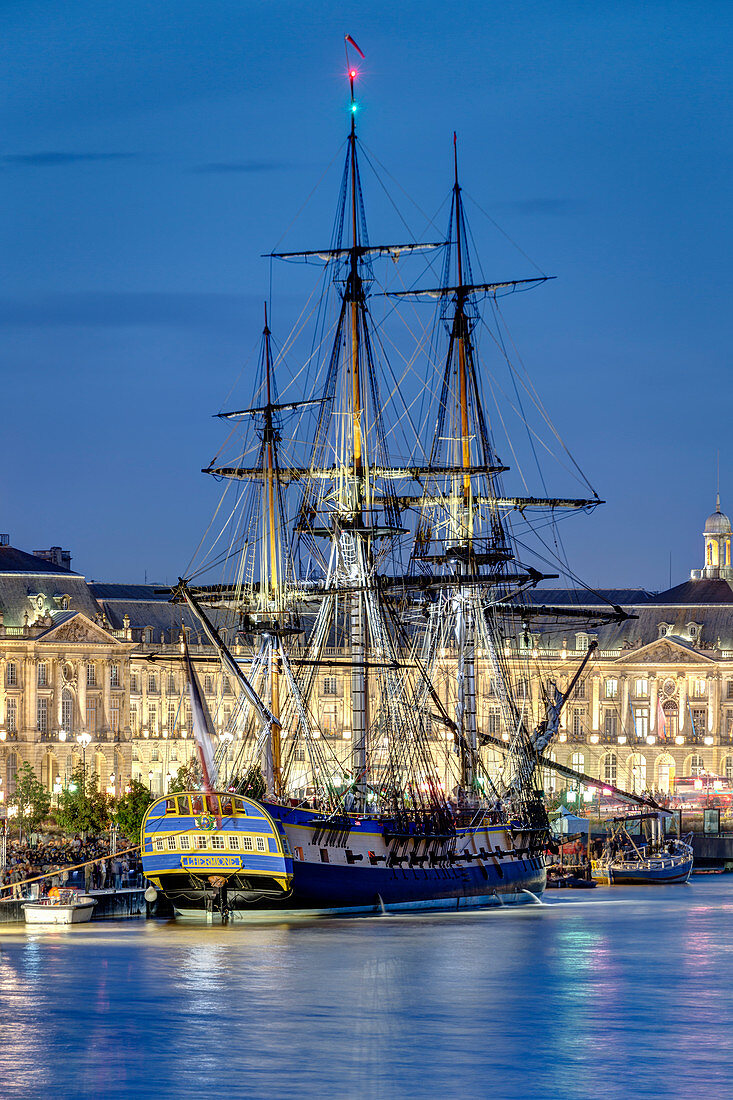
(58, 859)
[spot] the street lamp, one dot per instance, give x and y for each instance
(84, 739)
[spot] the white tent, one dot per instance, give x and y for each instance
(567, 823)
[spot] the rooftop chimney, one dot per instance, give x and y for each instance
(57, 556)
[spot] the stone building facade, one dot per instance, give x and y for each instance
(93, 672)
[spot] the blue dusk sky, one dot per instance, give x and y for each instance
(151, 152)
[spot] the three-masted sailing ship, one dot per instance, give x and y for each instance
(396, 578)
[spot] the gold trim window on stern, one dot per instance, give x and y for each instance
(233, 843)
(185, 843)
(217, 842)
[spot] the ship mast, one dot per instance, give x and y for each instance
(352, 498)
(465, 534)
(352, 542)
(272, 583)
(466, 633)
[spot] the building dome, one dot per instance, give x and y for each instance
(717, 536)
(718, 523)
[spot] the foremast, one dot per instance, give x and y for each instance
(271, 578)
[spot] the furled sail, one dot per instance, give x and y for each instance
(203, 731)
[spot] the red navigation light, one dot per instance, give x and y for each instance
(352, 74)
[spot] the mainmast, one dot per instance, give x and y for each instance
(466, 633)
(354, 296)
(460, 335)
(354, 549)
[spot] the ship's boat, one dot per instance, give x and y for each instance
(368, 548)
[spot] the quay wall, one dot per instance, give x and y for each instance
(711, 850)
(124, 904)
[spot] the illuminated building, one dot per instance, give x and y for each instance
(104, 659)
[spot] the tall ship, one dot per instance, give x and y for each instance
(367, 546)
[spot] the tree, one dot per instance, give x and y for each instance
(187, 778)
(130, 810)
(251, 784)
(83, 808)
(31, 798)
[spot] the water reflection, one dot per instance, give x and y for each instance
(580, 996)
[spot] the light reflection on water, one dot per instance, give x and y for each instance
(620, 993)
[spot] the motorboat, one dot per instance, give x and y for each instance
(60, 907)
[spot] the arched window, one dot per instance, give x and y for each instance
(637, 773)
(549, 776)
(12, 771)
(578, 762)
(695, 764)
(100, 770)
(665, 772)
(49, 770)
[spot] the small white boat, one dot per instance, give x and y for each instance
(60, 907)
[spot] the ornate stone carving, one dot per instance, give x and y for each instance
(68, 675)
(666, 652)
(79, 630)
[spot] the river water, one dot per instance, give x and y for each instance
(622, 992)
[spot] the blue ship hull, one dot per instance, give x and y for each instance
(364, 886)
(371, 888)
(235, 856)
